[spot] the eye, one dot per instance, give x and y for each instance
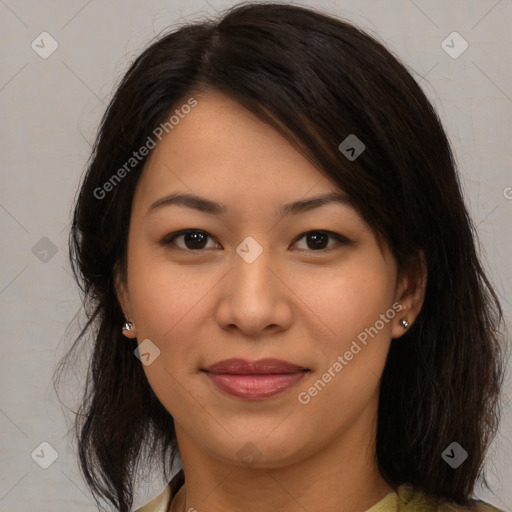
(193, 239)
(318, 240)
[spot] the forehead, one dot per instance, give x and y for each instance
(221, 147)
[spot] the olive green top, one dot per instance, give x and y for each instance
(404, 499)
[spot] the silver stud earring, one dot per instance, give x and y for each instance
(127, 326)
(404, 323)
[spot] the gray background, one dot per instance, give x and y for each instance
(50, 110)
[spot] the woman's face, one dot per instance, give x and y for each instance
(258, 281)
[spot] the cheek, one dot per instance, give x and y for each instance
(346, 378)
(164, 301)
(350, 302)
(347, 300)
(164, 294)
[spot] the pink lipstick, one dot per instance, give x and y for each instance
(254, 380)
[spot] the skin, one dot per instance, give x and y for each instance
(294, 302)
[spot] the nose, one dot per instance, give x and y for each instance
(253, 298)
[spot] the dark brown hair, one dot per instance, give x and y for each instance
(316, 79)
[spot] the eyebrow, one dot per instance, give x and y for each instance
(205, 205)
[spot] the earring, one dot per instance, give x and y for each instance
(404, 323)
(127, 326)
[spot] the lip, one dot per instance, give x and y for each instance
(260, 367)
(255, 380)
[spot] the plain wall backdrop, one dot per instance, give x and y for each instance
(51, 105)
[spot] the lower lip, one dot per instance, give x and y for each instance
(255, 387)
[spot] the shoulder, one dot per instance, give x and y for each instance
(162, 502)
(412, 500)
(158, 504)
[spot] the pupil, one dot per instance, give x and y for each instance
(195, 239)
(319, 240)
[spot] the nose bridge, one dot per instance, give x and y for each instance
(252, 296)
(251, 273)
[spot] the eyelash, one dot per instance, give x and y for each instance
(169, 239)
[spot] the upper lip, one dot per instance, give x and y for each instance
(261, 366)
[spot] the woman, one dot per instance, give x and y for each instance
(282, 279)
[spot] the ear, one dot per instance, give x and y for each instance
(123, 296)
(410, 292)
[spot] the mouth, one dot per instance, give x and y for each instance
(254, 380)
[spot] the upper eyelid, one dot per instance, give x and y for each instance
(168, 239)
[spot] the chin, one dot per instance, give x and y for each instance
(256, 449)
